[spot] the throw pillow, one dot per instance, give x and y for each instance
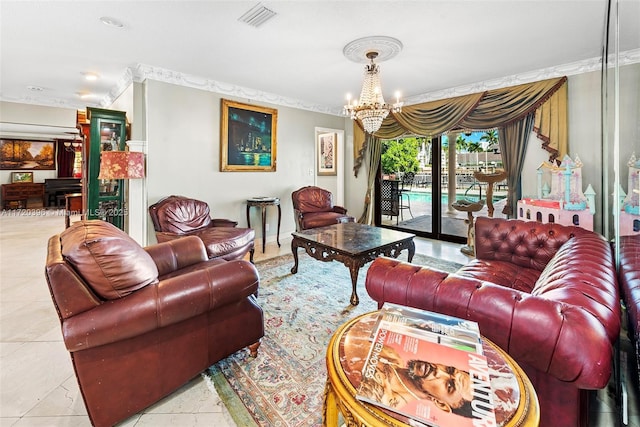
(111, 262)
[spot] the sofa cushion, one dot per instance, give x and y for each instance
(109, 261)
(320, 219)
(222, 241)
(501, 273)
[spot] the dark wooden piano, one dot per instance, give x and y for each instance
(55, 190)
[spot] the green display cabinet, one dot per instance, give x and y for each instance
(104, 197)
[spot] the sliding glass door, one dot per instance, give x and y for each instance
(429, 186)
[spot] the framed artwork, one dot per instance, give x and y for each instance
(21, 177)
(327, 153)
(248, 138)
(31, 155)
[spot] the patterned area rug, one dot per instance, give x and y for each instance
(284, 385)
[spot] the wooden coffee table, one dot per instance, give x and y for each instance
(352, 244)
(517, 407)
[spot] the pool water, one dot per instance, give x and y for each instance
(424, 197)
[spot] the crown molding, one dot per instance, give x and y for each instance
(569, 69)
(142, 72)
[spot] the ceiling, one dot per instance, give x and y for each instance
(449, 47)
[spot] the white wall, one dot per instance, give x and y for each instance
(183, 140)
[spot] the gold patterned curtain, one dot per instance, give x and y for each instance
(485, 110)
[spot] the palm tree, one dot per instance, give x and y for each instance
(475, 147)
(491, 138)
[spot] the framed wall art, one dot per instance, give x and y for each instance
(248, 138)
(21, 177)
(327, 144)
(31, 155)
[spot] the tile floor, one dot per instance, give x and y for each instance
(37, 383)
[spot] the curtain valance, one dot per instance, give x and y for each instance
(485, 110)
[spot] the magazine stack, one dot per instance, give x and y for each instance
(428, 367)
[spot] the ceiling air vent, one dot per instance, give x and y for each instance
(257, 15)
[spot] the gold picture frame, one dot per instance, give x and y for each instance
(21, 177)
(327, 149)
(248, 140)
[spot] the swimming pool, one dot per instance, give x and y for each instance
(425, 197)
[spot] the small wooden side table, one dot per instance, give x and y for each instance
(263, 203)
(348, 348)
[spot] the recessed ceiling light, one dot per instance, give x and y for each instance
(111, 22)
(35, 88)
(86, 95)
(90, 76)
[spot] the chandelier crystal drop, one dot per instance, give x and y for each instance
(371, 109)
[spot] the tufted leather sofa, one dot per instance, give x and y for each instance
(313, 207)
(629, 277)
(141, 322)
(177, 216)
(545, 293)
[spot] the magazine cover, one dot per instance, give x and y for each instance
(431, 383)
(461, 333)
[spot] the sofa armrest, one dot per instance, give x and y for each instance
(156, 306)
(563, 340)
(221, 222)
(339, 209)
(177, 252)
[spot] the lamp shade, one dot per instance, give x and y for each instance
(121, 165)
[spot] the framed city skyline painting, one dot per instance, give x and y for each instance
(248, 140)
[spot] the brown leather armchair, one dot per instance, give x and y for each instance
(141, 322)
(313, 207)
(177, 216)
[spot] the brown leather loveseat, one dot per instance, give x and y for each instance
(177, 216)
(313, 207)
(545, 293)
(140, 323)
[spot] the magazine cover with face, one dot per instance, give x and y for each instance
(434, 384)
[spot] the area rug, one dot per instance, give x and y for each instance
(284, 385)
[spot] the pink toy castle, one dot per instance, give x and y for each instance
(630, 213)
(560, 198)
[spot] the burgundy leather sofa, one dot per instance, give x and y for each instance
(545, 293)
(629, 278)
(313, 207)
(140, 323)
(177, 216)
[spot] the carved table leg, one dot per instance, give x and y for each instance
(294, 250)
(330, 407)
(412, 250)
(264, 225)
(353, 270)
(279, 216)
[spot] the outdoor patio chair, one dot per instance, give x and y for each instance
(406, 183)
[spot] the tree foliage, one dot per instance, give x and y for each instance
(400, 155)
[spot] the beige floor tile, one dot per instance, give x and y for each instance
(50, 422)
(26, 321)
(64, 400)
(30, 373)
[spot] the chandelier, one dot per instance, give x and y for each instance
(371, 109)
